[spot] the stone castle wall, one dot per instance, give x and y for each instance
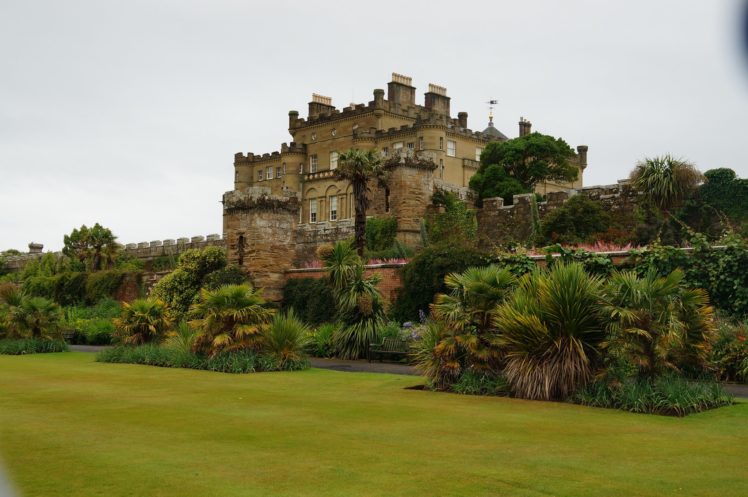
(145, 251)
(500, 224)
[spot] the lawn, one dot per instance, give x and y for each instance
(71, 426)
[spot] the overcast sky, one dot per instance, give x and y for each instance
(129, 113)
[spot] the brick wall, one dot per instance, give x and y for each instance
(390, 283)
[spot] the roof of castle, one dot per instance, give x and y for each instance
(493, 133)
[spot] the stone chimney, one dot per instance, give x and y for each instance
(400, 91)
(525, 127)
(582, 151)
(35, 248)
(462, 118)
(319, 105)
(437, 100)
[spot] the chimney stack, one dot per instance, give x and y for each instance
(525, 127)
(319, 105)
(437, 100)
(400, 91)
(462, 118)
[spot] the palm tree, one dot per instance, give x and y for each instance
(34, 317)
(550, 330)
(230, 318)
(656, 323)
(143, 321)
(466, 313)
(666, 181)
(359, 167)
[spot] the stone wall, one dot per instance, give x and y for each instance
(501, 224)
(391, 281)
(145, 251)
(311, 236)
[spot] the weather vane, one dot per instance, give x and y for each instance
(491, 103)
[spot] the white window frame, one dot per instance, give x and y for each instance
(478, 151)
(334, 160)
(269, 173)
(312, 210)
(260, 174)
(441, 143)
(313, 163)
(385, 151)
(451, 148)
(441, 168)
(397, 146)
(411, 149)
(301, 168)
(279, 172)
(334, 208)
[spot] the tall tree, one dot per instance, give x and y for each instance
(95, 247)
(517, 165)
(359, 167)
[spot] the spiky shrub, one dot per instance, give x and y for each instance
(32, 317)
(320, 343)
(658, 324)
(286, 339)
(181, 338)
(142, 321)
(232, 317)
(466, 313)
(436, 355)
(361, 313)
(666, 181)
(550, 330)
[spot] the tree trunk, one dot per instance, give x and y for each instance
(359, 194)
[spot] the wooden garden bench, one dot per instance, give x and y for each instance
(390, 346)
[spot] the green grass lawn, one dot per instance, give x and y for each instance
(72, 427)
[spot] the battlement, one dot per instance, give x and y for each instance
(259, 198)
(286, 149)
(142, 250)
(439, 90)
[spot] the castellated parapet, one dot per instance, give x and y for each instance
(500, 224)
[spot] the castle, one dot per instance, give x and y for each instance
(286, 203)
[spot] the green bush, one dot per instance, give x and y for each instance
(165, 262)
(719, 269)
(593, 262)
(380, 233)
(239, 361)
(103, 284)
(729, 353)
(179, 289)
(31, 346)
(455, 225)
(423, 277)
(476, 383)
(668, 395)
(310, 298)
(320, 342)
(230, 275)
(578, 220)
